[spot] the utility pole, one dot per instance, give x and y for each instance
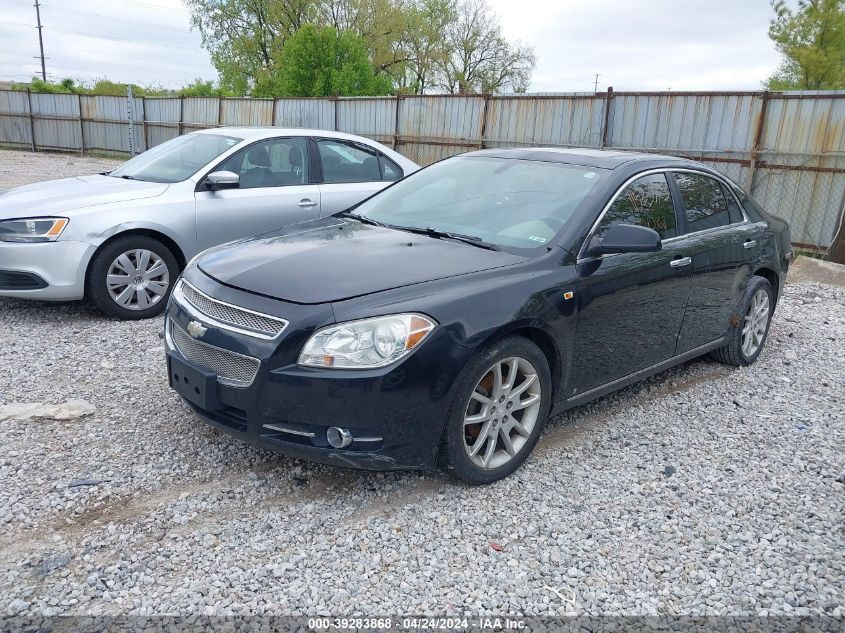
(40, 40)
(595, 85)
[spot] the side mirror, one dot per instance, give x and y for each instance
(222, 180)
(625, 238)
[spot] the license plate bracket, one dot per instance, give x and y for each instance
(195, 384)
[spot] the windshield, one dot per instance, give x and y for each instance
(176, 160)
(512, 203)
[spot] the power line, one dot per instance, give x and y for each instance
(121, 20)
(108, 37)
(123, 39)
(151, 6)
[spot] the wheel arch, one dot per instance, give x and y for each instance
(772, 277)
(165, 239)
(542, 339)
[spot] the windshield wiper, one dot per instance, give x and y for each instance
(127, 177)
(360, 218)
(472, 240)
(105, 173)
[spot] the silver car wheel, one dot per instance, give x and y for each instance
(502, 411)
(756, 322)
(138, 279)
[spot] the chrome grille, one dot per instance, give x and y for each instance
(239, 319)
(232, 369)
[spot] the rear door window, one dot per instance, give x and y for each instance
(704, 201)
(645, 202)
(734, 212)
(347, 162)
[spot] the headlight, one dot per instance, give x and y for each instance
(32, 229)
(367, 343)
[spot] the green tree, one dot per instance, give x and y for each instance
(422, 45)
(65, 86)
(245, 36)
(201, 88)
(425, 46)
(478, 57)
(322, 62)
(812, 42)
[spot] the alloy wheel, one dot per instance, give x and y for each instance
(502, 411)
(138, 279)
(756, 322)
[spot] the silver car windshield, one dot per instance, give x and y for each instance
(177, 159)
(512, 203)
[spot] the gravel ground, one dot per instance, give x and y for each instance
(706, 489)
(20, 168)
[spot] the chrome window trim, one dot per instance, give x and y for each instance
(724, 183)
(180, 298)
(649, 172)
(622, 187)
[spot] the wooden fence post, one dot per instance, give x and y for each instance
(335, 100)
(144, 114)
(31, 119)
(483, 121)
(180, 124)
(836, 253)
(398, 100)
(605, 124)
(82, 128)
(758, 139)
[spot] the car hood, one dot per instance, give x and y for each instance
(333, 259)
(63, 196)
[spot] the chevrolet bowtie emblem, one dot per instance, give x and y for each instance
(196, 329)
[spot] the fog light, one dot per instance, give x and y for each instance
(339, 438)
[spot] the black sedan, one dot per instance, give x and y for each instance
(441, 322)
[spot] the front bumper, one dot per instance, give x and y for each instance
(60, 266)
(395, 414)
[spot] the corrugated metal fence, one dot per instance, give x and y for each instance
(787, 148)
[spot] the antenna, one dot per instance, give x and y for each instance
(595, 85)
(40, 40)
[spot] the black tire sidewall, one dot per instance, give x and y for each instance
(454, 458)
(756, 283)
(97, 289)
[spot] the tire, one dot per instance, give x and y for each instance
(738, 352)
(533, 401)
(127, 301)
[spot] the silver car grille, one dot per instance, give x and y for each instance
(227, 315)
(231, 368)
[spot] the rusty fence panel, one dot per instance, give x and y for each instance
(373, 117)
(788, 149)
(15, 128)
(161, 119)
(314, 114)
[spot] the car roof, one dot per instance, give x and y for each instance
(256, 133)
(598, 158)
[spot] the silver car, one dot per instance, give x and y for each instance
(120, 238)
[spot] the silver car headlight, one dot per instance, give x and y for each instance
(367, 343)
(32, 229)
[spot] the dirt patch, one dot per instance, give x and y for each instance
(820, 271)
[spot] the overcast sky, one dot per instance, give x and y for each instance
(640, 45)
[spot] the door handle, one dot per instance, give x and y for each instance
(307, 202)
(681, 261)
(750, 244)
